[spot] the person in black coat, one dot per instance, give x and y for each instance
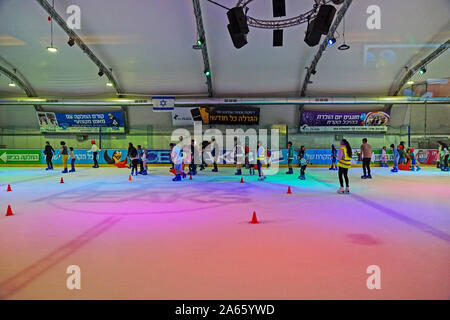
(49, 152)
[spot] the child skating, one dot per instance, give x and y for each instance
(344, 163)
(333, 158)
(72, 160)
(383, 160)
(303, 163)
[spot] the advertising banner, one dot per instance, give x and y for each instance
(182, 117)
(81, 122)
(16, 156)
(227, 115)
(314, 121)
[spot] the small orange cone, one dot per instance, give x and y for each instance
(289, 190)
(9, 188)
(129, 177)
(254, 219)
(62, 180)
(242, 180)
(190, 177)
(9, 211)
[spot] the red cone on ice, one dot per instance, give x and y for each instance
(9, 211)
(62, 180)
(9, 188)
(254, 219)
(289, 190)
(242, 180)
(190, 177)
(129, 177)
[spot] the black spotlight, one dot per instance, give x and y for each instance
(100, 73)
(313, 71)
(71, 42)
(237, 27)
(423, 70)
(331, 41)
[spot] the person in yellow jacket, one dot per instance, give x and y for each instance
(344, 163)
(260, 156)
(65, 156)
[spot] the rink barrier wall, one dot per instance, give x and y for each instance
(316, 157)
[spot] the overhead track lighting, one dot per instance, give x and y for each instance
(207, 73)
(422, 70)
(331, 41)
(11, 84)
(100, 73)
(109, 84)
(71, 42)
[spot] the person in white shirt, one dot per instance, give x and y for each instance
(177, 160)
(94, 150)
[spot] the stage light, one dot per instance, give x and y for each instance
(344, 47)
(207, 73)
(422, 70)
(52, 49)
(11, 84)
(331, 41)
(100, 73)
(200, 41)
(109, 84)
(71, 42)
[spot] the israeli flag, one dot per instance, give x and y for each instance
(163, 103)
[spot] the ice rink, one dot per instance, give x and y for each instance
(151, 238)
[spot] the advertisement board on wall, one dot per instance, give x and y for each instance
(239, 115)
(315, 121)
(81, 122)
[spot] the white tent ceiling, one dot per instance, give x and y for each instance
(148, 44)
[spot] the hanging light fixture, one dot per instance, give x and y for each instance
(343, 46)
(51, 48)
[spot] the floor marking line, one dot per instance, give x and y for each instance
(24, 277)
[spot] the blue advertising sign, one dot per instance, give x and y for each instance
(81, 122)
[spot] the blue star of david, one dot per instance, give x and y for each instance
(163, 103)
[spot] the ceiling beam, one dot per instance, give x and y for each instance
(29, 91)
(72, 34)
(409, 73)
(201, 34)
(323, 46)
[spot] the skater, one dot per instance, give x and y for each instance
(213, 146)
(238, 153)
(383, 161)
(333, 158)
(401, 152)
(444, 156)
(140, 162)
(65, 156)
(94, 150)
(395, 158)
(49, 152)
(144, 162)
(204, 164)
(269, 157)
(344, 163)
(130, 146)
(260, 156)
(413, 160)
(290, 158)
(302, 162)
(72, 160)
(177, 160)
(366, 157)
(193, 153)
(248, 156)
(134, 158)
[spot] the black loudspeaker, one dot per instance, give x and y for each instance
(279, 8)
(239, 39)
(312, 37)
(324, 18)
(196, 116)
(238, 20)
(277, 38)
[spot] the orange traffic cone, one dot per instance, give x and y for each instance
(254, 219)
(129, 177)
(190, 177)
(62, 180)
(289, 190)
(9, 188)
(242, 180)
(9, 211)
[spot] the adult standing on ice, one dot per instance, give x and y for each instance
(344, 163)
(49, 152)
(366, 157)
(94, 150)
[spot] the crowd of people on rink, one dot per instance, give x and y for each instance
(403, 158)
